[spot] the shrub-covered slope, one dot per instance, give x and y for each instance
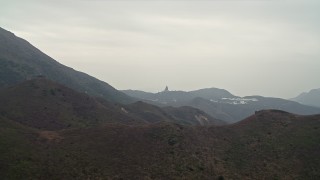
(268, 145)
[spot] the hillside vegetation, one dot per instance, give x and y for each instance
(268, 145)
(44, 104)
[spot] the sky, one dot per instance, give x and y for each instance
(248, 47)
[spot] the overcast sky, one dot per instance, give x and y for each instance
(249, 47)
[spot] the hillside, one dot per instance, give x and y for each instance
(275, 141)
(19, 61)
(270, 144)
(44, 104)
(311, 98)
(179, 115)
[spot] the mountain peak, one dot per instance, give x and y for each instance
(166, 89)
(311, 98)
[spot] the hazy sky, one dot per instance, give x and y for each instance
(265, 47)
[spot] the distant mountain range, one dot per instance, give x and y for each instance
(178, 97)
(20, 61)
(222, 104)
(311, 98)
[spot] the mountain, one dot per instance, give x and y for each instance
(19, 61)
(212, 93)
(179, 97)
(234, 111)
(221, 104)
(271, 140)
(44, 104)
(163, 98)
(140, 94)
(270, 144)
(311, 98)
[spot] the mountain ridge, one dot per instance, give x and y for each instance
(311, 98)
(230, 108)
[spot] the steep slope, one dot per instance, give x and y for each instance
(311, 98)
(19, 61)
(44, 104)
(268, 145)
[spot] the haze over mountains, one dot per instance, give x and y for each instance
(19, 61)
(311, 98)
(222, 104)
(58, 123)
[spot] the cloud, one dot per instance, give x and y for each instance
(189, 44)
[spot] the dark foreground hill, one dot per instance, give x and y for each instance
(43, 104)
(268, 145)
(19, 61)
